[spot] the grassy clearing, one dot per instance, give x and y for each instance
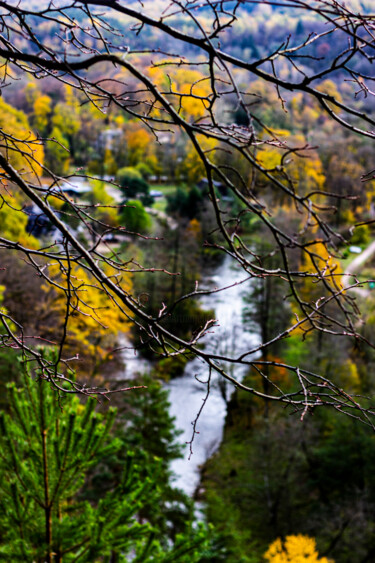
(165, 189)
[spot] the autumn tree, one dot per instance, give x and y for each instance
(294, 549)
(193, 86)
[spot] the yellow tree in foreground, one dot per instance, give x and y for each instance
(294, 549)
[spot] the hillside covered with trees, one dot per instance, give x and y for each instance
(187, 209)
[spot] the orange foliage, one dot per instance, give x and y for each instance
(138, 144)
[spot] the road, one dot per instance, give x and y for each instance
(353, 268)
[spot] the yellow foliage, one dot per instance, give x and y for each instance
(25, 151)
(94, 320)
(193, 166)
(279, 133)
(265, 90)
(324, 260)
(4, 311)
(269, 157)
(329, 268)
(13, 219)
(194, 229)
(119, 120)
(295, 549)
(305, 169)
(71, 98)
(320, 265)
(66, 115)
(349, 377)
(370, 193)
(330, 88)
(188, 89)
(109, 162)
(42, 109)
(138, 143)
(296, 102)
(31, 93)
(106, 210)
(309, 117)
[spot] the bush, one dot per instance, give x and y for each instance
(131, 182)
(134, 217)
(186, 203)
(361, 236)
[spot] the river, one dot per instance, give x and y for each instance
(186, 393)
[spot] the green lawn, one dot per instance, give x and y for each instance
(165, 189)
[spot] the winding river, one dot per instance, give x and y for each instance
(187, 393)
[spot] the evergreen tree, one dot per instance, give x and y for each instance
(47, 445)
(145, 427)
(186, 203)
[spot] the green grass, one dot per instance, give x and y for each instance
(345, 262)
(165, 189)
(160, 204)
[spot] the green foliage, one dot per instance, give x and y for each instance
(144, 169)
(132, 182)
(276, 476)
(105, 206)
(361, 235)
(171, 367)
(186, 203)
(145, 427)
(343, 459)
(187, 317)
(145, 422)
(48, 443)
(57, 152)
(66, 116)
(268, 313)
(68, 216)
(237, 538)
(134, 217)
(8, 372)
(296, 351)
(272, 476)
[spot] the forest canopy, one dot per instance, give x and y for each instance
(131, 95)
